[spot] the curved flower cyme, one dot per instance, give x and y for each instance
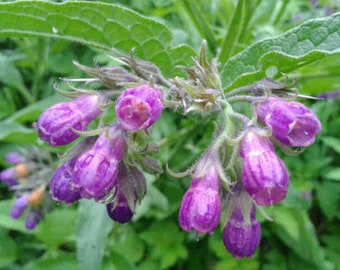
(292, 123)
(96, 170)
(201, 205)
(56, 123)
(60, 185)
(138, 108)
(264, 175)
(242, 238)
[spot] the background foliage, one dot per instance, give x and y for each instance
(252, 39)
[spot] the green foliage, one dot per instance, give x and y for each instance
(251, 40)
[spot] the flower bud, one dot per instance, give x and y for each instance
(264, 175)
(56, 123)
(96, 170)
(292, 123)
(14, 158)
(32, 219)
(9, 176)
(241, 236)
(60, 185)
(19, 206)
(138, 108)
(120, 211)
(201, 205)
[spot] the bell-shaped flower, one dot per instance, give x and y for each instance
(292, 123)
(56, 125)
(60, 185)
(242, 232)
(96, 170)
(201, 205)
(138, 108)
(264, 175)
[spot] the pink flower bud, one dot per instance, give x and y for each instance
(292, 123)
(264, 175)
(138, 108)
(56, 123)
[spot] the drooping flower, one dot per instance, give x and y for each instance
(138, 108)
(56, 124)
(264, 175)
(120, 211)
(292, 123)
(60, 185)
(96, 170)
(242, 233)
(201, 205)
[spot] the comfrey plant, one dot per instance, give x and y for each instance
(238, 173)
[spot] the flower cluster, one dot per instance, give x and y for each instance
(251, 175)
(103, 164)
(239, 172)
(28, 175)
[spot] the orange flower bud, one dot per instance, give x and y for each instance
(36, 196)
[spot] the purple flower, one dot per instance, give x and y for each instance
(138, 108)
(60, 185)
(19, 206)
(120, 211)
(56, 123)
(9, 176)
(32, 219)
(241, 238)
(201, 205)
(96, 170)
(14, 158)
(292, 123)
(264, 175)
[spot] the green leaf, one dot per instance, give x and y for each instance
(17, 133)
(126, 239)
(311, 41)
(328, 195)
(294, 228)
(93, 226)
(53, 235)
(32, 112)
(95, 24)
(332, 142)
(166, 242)
(6, 221)
(8, 249)
(119, 261)
(236, 27)
(333, 174)
(56, 261)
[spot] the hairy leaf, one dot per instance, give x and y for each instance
(311, 41)
(93, 227)
(100, 25)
